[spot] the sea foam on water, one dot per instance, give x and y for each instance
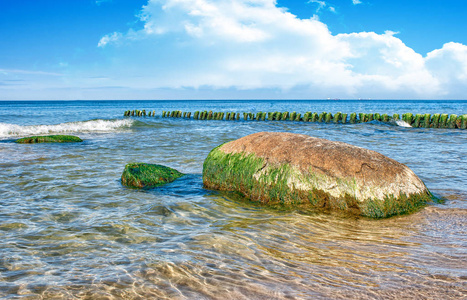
(13, 130)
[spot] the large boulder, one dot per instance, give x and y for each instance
(295, 169)
(49, 139)
(142, 175)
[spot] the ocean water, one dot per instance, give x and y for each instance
(70, 230)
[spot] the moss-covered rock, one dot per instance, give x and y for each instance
(49, 139)
(142, 175)
(293, 169)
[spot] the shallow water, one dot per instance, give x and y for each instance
(70, 230)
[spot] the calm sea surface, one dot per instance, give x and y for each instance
(69, 229)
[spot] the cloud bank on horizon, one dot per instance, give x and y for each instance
(257, 49)
(254, 44)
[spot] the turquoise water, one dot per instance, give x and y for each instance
(69, 229)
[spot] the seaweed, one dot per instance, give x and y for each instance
(143, 175)
(49, 139)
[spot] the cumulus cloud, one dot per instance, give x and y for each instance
(254, 44)
(355, 2)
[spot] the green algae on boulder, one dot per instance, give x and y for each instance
(143, 175)
(49, 139)
(293, 169)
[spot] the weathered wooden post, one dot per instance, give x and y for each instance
(427, 120)
(416, 122)
(328, 117)
(314, 117)
(321, 117)
(452, 121)
(464, 122)
(337, 117)
(408, 118)
(292, 116)
(344, 118)
(353, 118)
(435, 121)
(443, 121)
(362, 117)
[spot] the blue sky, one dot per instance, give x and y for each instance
(232, 49)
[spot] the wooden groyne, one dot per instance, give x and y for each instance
(451, 121)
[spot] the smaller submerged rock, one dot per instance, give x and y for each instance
(49, 139)
(142, 175)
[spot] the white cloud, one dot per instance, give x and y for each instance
(254, 44)
(109, 38)
(321, 5)
(355, 2)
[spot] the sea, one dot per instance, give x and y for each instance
(70, 230)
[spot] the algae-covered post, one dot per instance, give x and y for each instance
(286, 169)
(417, 120)
(427, 120)
(464, 122)
(314, 117)
(344, 118)
(321, 117)
(452, 121)
(337, 117)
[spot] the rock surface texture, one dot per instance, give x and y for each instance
(295, 169)
(49, 139)
(142, 175)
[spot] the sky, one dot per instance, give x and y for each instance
(232, 49)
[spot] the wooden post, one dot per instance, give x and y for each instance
(452, 121)
(443, 121)
(321, 117)
(464, 122)
(344, 118)
(427, 120)
(337, 117)
(314, 117)
(417, 120)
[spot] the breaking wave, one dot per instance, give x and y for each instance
(13, 130)
(401, 123)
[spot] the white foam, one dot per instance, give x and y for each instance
(402, 123)
(13, 130)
